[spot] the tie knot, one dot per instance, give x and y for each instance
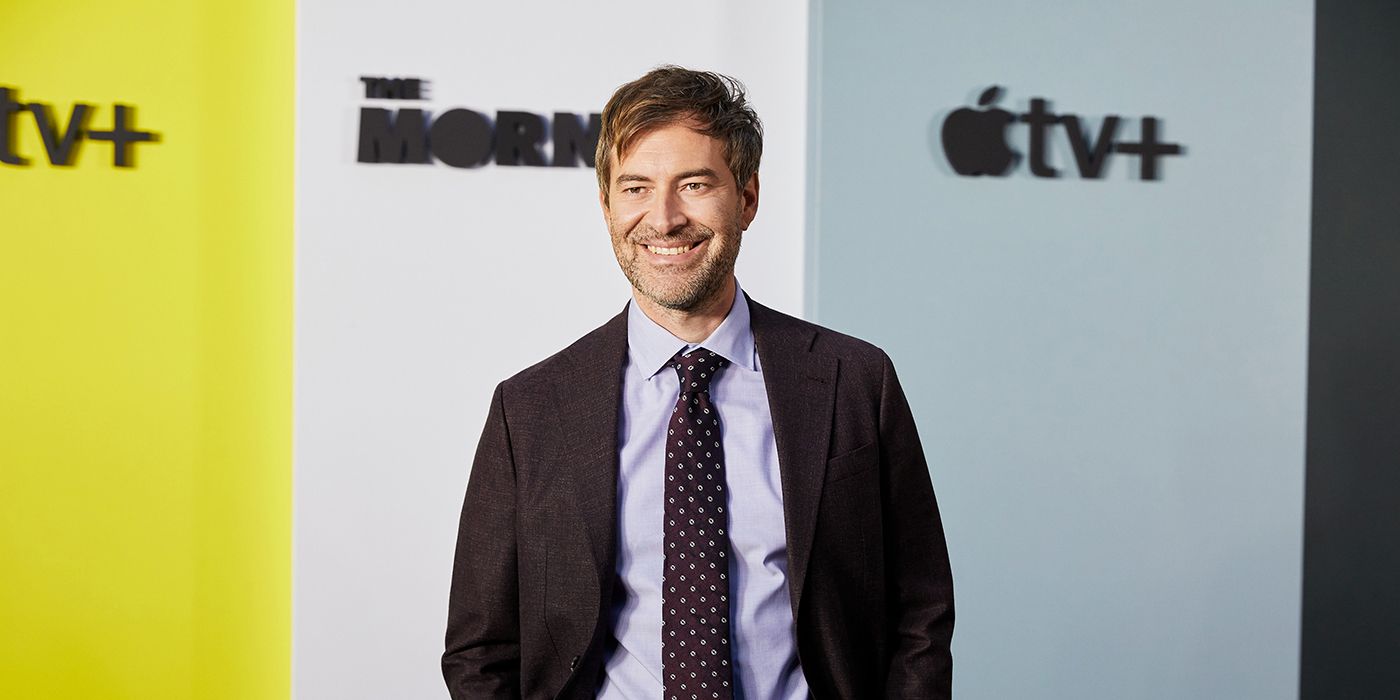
(697, 369)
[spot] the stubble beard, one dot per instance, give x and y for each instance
(683, 289)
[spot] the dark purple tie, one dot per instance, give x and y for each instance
(695, 584)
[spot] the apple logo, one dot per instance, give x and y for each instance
(975, 140)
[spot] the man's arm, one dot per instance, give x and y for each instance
(919, 583)
(482, 658)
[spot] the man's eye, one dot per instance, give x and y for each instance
(633, 190)
(693, 186)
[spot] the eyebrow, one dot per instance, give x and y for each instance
(698, 172)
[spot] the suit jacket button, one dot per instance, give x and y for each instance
(573, 663)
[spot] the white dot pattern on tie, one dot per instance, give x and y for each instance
(695, 594)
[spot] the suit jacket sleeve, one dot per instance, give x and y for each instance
(918, 578)
(482, 657)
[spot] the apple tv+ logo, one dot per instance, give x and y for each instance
(974, 140)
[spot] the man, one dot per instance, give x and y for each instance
(703, 498)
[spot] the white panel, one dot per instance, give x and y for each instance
(421, 286)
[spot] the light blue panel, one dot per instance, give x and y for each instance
(1108, 375)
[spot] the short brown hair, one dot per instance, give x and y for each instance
(670, 94)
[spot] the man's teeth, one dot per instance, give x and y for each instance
(670, 251)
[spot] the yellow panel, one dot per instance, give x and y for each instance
(145, 355)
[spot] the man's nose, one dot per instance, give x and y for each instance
(667, 213)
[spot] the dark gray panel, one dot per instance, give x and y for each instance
(1351, 577)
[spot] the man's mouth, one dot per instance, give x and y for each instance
(672, 250)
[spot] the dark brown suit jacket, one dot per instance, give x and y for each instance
(872, 595)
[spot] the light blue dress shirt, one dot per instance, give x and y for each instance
(762, 635)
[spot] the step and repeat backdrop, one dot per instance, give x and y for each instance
(262, 265)
(1090, 228)
(146, 179)
(425, 275)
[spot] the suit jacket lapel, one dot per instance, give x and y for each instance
(801, 388)
(590, 399)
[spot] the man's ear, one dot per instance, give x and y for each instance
(748, 202)
(603, 201)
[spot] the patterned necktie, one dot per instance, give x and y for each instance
(695, 583)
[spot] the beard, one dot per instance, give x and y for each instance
(682, 289)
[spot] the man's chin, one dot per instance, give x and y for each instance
(686, 299)
(674, 302)
(675, 299)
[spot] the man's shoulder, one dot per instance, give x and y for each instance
(815, 337)
(605, 344)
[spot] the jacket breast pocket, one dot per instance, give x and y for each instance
(853, 463)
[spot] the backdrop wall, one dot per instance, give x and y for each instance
(145, 364)
(1351, 622)
(1105, 344)
(419, 287)
(1108, 373)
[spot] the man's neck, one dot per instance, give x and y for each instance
(691, 325)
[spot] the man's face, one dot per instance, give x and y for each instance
(676, 216)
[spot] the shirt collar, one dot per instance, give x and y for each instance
(649, 346)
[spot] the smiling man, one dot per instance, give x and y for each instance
(703, 498)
